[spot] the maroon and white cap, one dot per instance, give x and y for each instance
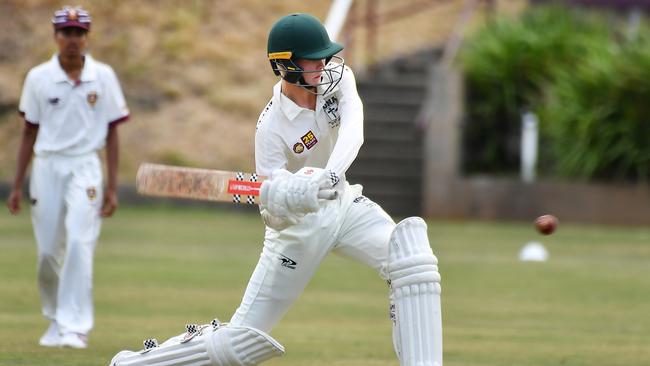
(71, 17)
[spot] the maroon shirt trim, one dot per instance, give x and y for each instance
(22, 114)
(119, 120)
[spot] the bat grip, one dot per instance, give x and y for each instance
(328, 194)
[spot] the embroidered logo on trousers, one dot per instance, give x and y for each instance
(365, 201)
(287, 262)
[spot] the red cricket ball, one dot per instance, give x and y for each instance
(546, 224)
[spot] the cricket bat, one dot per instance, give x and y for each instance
(203, 184)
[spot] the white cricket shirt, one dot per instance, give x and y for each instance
(329, 137)
(73, 118)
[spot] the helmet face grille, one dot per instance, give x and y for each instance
(330, 76)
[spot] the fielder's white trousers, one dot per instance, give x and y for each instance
(66, 194)
(351, 225)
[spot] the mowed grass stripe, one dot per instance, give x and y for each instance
(159, 268)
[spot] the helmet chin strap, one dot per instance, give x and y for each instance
(298, 79)
(303, 84)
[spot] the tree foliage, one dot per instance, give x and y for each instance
(585, 79)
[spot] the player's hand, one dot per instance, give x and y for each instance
(286, 193)
(287, 197)
(278, 223)
(110, 204)
(13, 202)
(326, 180)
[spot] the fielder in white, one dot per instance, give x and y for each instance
(307, 137)
(72, 105)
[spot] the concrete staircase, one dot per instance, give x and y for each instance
(389, 164)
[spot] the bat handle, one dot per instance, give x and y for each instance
(328, 194)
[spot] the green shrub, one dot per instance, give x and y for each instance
(586, 82)
(506, 65)
(596, 115)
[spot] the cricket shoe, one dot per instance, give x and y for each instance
(74, 340)
(51, 337)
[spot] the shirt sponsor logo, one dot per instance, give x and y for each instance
(331, 109)
(243, 187)
(298, 148)
(309, 139)
(92, 98)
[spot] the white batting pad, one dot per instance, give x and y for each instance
(415, 295)
(242, 346)
(221, 345)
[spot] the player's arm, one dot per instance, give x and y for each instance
(29, 109)
(270, 157)
(112, 162)
(117, 112)
(25, 151)
(270, 154)
(350, 136)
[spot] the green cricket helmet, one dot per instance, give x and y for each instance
(302, 36)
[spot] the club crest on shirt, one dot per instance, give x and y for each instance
(331, 109)
(309, 139)
(92, 98)
(91, 192)
(298, 148)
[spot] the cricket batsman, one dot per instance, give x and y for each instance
(307, 137)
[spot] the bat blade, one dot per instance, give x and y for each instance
(199, 184)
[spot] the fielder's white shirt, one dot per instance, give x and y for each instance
(291, 137)
(73, 118)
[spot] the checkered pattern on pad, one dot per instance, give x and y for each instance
(149, 344)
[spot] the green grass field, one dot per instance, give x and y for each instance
(157, 269)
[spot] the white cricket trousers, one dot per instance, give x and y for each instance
(351, 225)
(66, 196)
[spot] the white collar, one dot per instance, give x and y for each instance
(88, 73)
(290, 109)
